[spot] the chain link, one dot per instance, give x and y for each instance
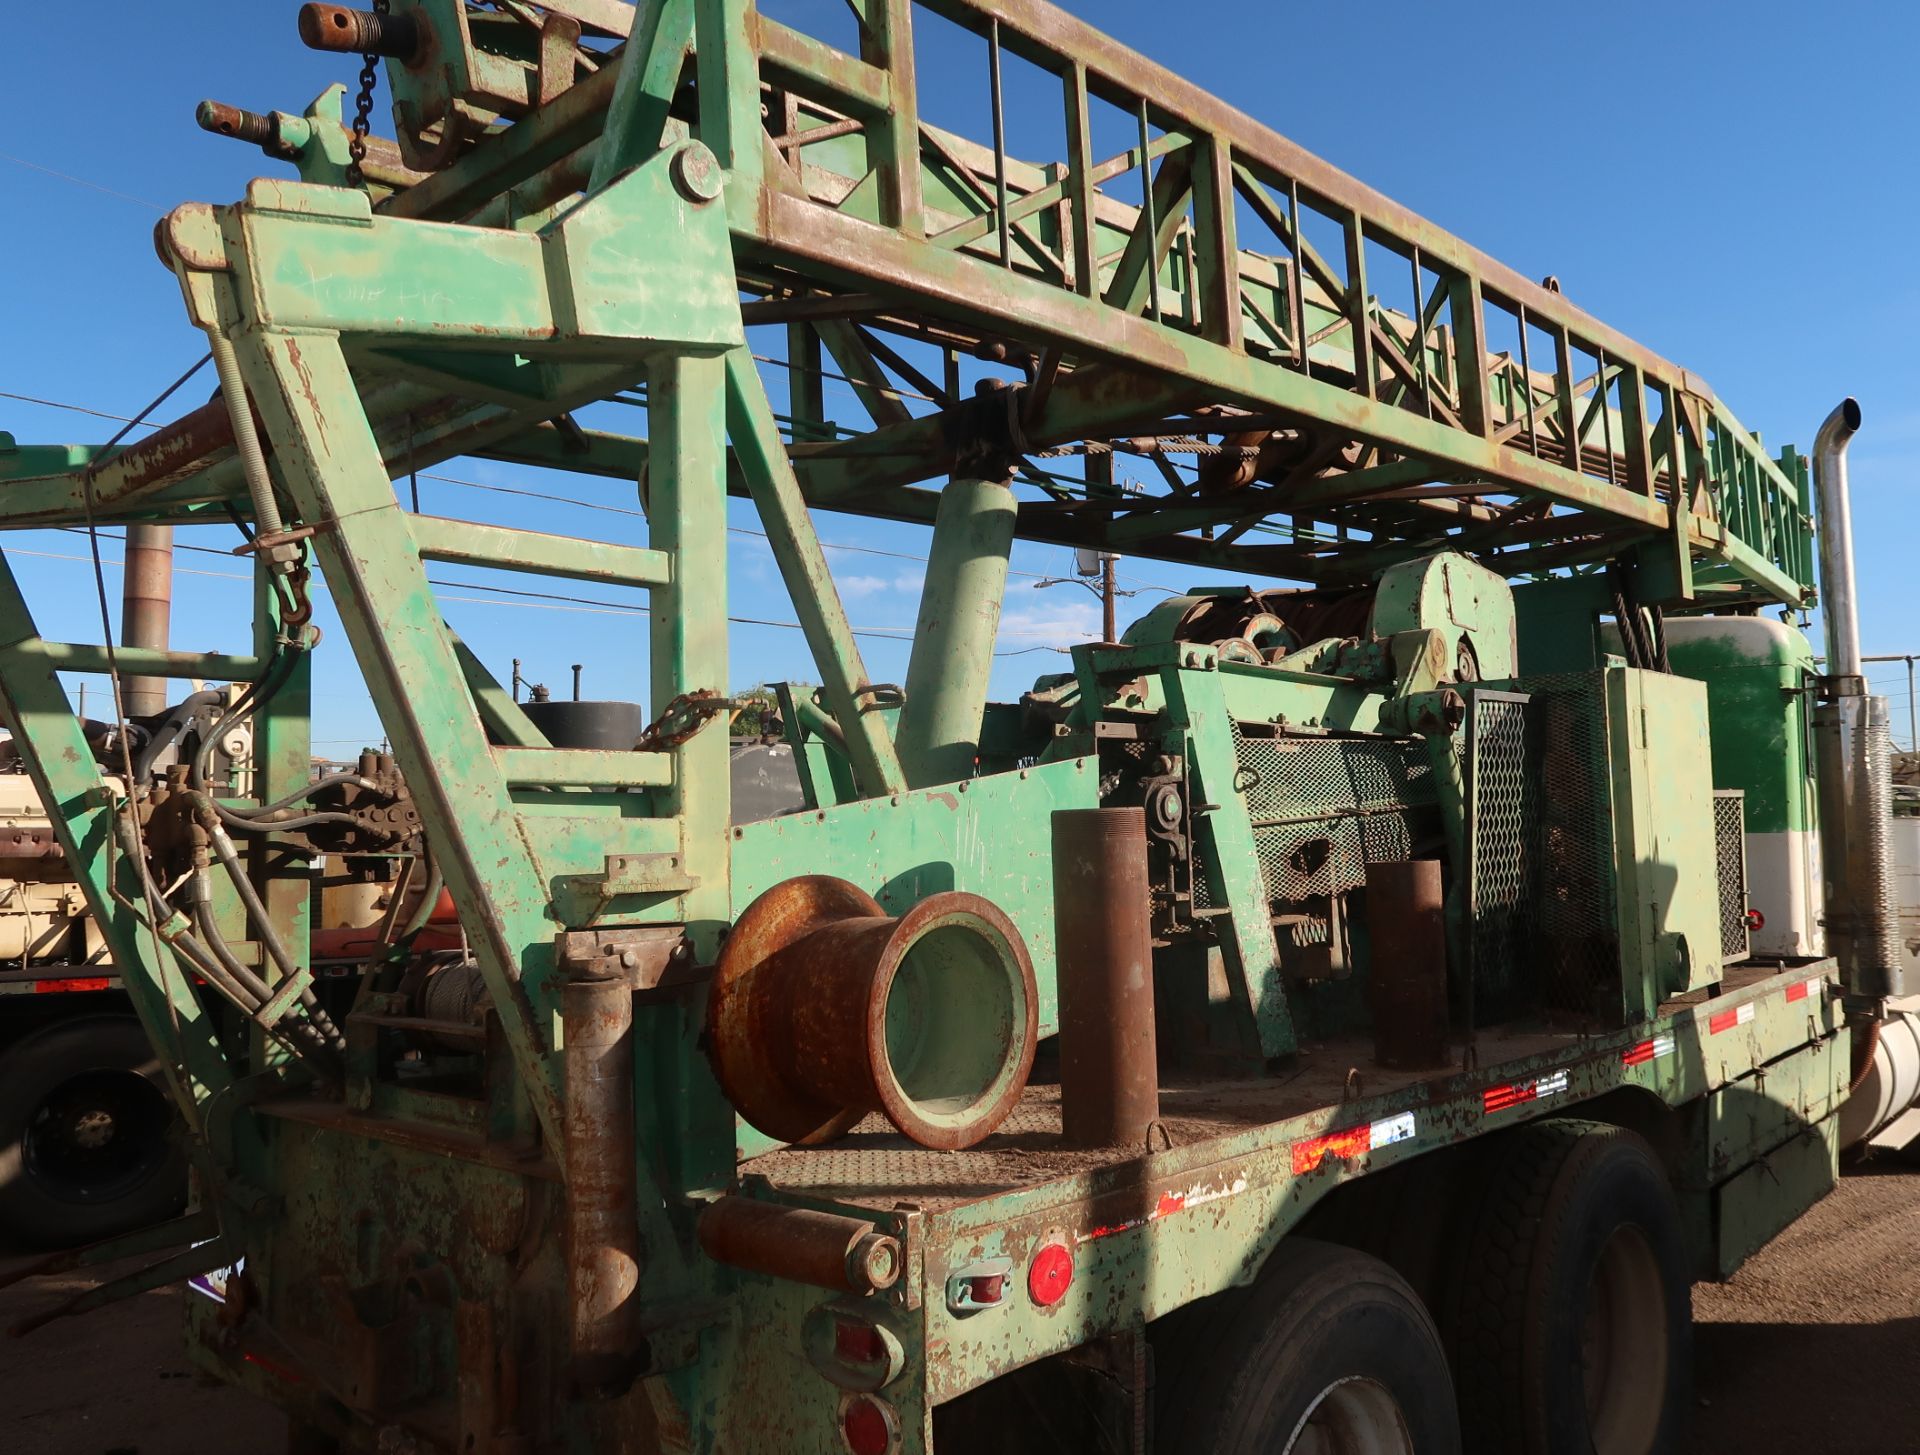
(363, 110)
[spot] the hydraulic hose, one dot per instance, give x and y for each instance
(1866, 1046)
(263, 924)
(169, 731)
(326, 780)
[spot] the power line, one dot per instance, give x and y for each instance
(553, 499)
(541, 600)
(80, 181)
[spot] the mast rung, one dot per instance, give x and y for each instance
(583, 768)
(466, 543)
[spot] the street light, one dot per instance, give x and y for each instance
(1105, 589)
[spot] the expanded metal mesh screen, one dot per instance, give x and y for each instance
(1505, 818)
(1730, 855)
(1543, 931)
(1325, 808)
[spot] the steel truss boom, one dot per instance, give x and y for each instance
(1389, 391)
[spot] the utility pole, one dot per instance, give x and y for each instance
(1913, 718)
(1109, 632)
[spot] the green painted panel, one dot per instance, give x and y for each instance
(990, 836)
(1751, 1209)
(1756, 673)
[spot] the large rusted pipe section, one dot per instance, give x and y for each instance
(146, 609)
(602, 1223)
(959, 621)
(825, 1008)
(1407, 931)
(848, 1255)
(1109, 1068)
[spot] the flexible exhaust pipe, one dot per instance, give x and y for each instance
(1853, 744)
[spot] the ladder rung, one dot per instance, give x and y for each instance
(462, 542)
(584, 768)
(149, 662)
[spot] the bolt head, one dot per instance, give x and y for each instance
(696, 172)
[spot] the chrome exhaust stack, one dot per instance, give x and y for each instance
(1852, 747)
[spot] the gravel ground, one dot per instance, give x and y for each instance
(1814, 1347)
(1815, 1344)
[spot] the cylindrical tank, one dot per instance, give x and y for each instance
(609, 726)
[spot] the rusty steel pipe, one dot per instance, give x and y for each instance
(146, 609)
(1407, 986)
(848, 1255)
(602, 1222)
(237, 122)
(1109, 1067)
(359, 32)
(825, 1008)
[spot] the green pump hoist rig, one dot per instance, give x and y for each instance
(1321, 1020)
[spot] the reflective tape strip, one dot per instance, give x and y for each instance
(1393, 1129)
(1647, 1051)
(1726, 1020)
(1801, 989)
(1175, 1200)
(1518, 1093)
(1352, 1142)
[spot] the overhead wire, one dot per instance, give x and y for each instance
(632, 513)
(80, 181)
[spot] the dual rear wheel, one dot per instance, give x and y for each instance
(1564, 1326)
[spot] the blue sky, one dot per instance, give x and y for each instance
(1734, 186)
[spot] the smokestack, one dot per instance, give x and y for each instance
(1852, 745)
(146, 608)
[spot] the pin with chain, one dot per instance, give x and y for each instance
(363, 110)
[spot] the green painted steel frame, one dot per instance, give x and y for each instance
(472, 310)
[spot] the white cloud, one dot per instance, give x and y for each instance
(1054, 624)
(854, 587)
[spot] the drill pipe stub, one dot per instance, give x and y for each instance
(825, 1008)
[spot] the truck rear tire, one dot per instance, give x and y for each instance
(86, 1149)
(1327, 1353)
(1570, 1323)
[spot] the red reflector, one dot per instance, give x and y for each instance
(84, 982)
(865, 1426)
(1351, 1143)
(858, 1343)
(1756, 920)
(1050, 1275)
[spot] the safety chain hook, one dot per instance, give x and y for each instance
(363, 110)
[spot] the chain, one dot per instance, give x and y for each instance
(363, 109)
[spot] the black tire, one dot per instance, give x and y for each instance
(1570, 1324)
(1324, 1335)
(86, 1134)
